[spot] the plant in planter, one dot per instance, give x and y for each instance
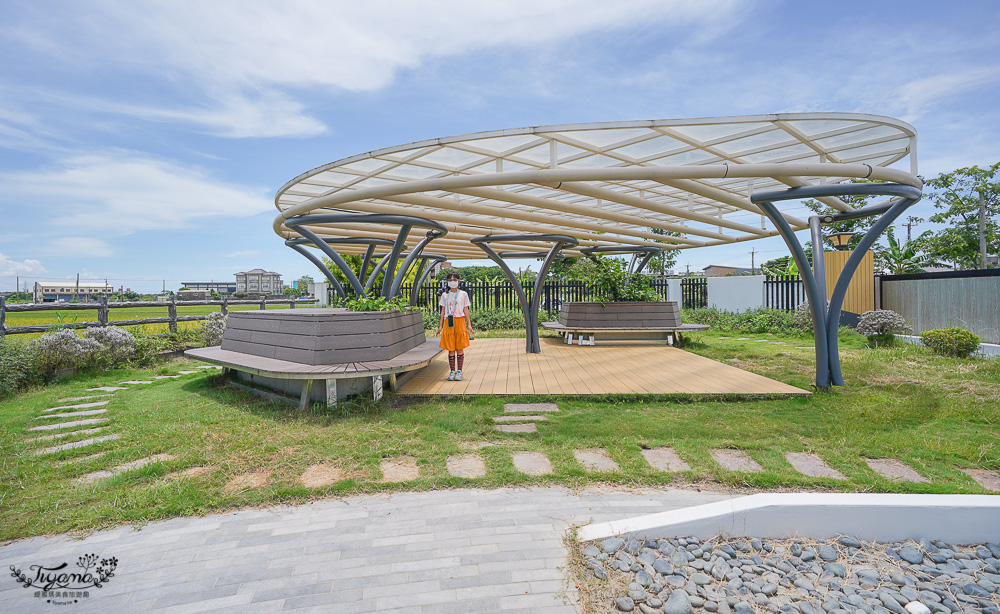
(881, 327)
(608, 279)
(624, 300)
(378, 303)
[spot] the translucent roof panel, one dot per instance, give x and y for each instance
(606, 183)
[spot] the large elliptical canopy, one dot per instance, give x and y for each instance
(606, 184)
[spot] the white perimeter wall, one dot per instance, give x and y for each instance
(736, 293)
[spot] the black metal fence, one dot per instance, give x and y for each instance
(784, 292)
(694, 293)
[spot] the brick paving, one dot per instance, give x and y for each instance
(440, 551)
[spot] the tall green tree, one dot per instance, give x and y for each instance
(956, 197)
(900, 258)
(662, 262)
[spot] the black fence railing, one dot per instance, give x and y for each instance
(784, 292)
(694, 293)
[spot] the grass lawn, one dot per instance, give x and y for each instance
(935, 414)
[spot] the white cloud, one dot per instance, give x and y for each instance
(123, 192)
(919, 96)
(246, 55)
(80, 247)
(13, 268)
(243, 252)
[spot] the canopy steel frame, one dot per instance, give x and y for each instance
(421, 275)
(530, 311)
(826, 315)
(635, 251)
(390, 283)
(372, 243)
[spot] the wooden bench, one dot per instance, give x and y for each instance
(672, 332)
(327, 375)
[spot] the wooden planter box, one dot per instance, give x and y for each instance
(659, 314)
(323, 336)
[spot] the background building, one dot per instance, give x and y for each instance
(714, 270)
(70, 291)
(259, 281)
(222, 287)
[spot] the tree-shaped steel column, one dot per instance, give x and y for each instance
(826, 315)
(648, 252)
(530, 311)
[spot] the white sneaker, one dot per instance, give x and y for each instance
(451, 376)
(458, 376)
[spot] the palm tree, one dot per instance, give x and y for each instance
(900, 258)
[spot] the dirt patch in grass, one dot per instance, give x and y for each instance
(247, 481)
(401, 469)
(324, 474)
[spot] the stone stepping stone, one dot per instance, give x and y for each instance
(469, 466)
(805, 347)
(93, 396)
(725, 337)
(106, 389)
(532, 463)
(208, 367)
(399, 469)
(322, 474)
(812, 465)
(736, 460)
(744, 339)
(247, 481)
(511, 408)
(130, 466)
(892, 469)
(74, 414)
(166, 376)
(65, 425)
(665, 459)
(138, 381)
(519, 418)
(517, 428)
(595, 460)
(990, 480)
(67, 434)
(80, 406)
(188, 372)
(77, 444)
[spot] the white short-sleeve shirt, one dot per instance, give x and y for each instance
(454, 303)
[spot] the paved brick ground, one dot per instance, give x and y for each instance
(457, 551)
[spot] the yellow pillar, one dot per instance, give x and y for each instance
(860, 295)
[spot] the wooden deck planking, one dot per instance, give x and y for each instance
(501, 366)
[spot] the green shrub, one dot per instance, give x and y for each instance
(488, 319)
(213, 328)
(751, 321)
(18, 367)
(955, 341)
(881, 327)
(378, 303)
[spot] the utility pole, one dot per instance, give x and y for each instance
(76, 293)
(982, 230)
(17, 289)
(752, 252)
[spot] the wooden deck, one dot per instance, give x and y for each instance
(501, 366)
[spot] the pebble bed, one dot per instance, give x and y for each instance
(797, 576)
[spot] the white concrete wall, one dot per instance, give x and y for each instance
(734, 294)
(674, 290)
(322, 294)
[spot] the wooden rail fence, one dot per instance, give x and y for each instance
(104, 308)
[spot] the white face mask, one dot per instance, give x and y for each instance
(452, 284)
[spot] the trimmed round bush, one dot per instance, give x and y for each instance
(213, 328)
(881, 327)
(63, 349)
(803, 316)
(117, 345)
(18, 368)
(956, 342)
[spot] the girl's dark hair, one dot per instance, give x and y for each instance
(453, 275)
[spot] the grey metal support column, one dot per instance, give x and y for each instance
(390, 271)
(332, 254)
(375, 271)
(819, 260)
(817, 299)
(645, 261)
(530, 310)
(415, 253)
(419, 284)
(417, 276)
(826, 315)
(319, 265)
(366, 262)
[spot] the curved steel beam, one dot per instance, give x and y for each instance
(333, 255)
(319, 265)
(649, 252)
(421, 278)
(529, 310)
(404, 268)
(390, 270)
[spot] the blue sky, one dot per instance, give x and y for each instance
(144, 141)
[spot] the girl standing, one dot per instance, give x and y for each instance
(456, 324)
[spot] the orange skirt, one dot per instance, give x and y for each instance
(456, 337)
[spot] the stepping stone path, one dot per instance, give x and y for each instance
(517, 428)
(63, 425)
(80, 406)
(400, 469)
(76, 444)
(469, 466)
(892, 469)
(595, 460)
(532, 463)
(67, 434)
(107, 388)
(73, 414)
(123, 468)
(321, 474)
(93, 396)
(166, 376)
(519, 418)
(137, 382)
(523, 423)
(812, 465)
(990, 480)
(188, 372)
(247, 481)
(736, 460)
(82, 459)
(665, 459)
